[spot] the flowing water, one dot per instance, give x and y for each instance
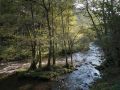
(80, 79)
(86, 73)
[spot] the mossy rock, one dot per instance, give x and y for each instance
(45, 75)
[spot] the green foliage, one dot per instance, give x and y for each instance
(46, 75)
(105, 19)
(110, 80)
(34, 29)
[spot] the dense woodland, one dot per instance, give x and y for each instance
(105, 17)
(37, 30)
(106, 21)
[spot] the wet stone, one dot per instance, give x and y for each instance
(95, 74)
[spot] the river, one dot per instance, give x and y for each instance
(80, 79)
(85, 73)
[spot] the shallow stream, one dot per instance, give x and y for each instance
(80, 79)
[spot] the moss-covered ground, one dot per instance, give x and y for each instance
(109, 81)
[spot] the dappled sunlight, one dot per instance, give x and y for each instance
(59, 44)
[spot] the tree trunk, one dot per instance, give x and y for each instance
(54, 58)
(50, 39)
(71, 51)
(33, 42)
(64, 43)
(40, 57)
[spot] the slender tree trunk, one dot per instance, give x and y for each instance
(53, 40)
(40, 56)
(64, 42)
(47, 12)
(93, 22)
(71, 52)
(50, 39)
(33, 42)
(66, 57)
(54, 58)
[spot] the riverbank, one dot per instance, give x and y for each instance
(44, 74)
(22, 67)
(110, 80)
(8, 67)
(82, 77)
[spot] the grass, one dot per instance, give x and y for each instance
(45, 74)
(110, 80)
(25, 78)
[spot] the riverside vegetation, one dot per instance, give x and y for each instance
(38, 29)
(44, 30)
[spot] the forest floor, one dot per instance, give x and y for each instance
(9, 68)
(63, 78)
(109, 81)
